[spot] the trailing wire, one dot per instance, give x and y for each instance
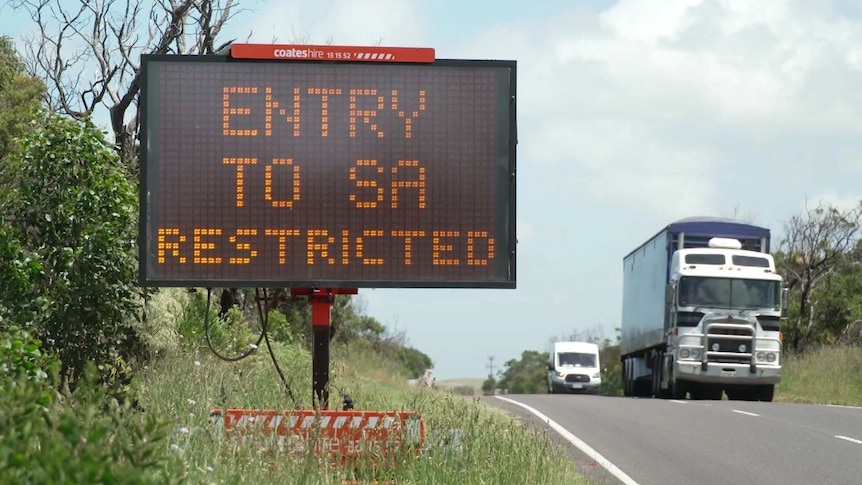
(264, 331)
(264, 318)
(209, 341)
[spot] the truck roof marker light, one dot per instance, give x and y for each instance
(725, 243)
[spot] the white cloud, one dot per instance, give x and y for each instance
(638, 102)
(342, 22)
(626, 165)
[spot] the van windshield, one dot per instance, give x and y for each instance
(576, 359)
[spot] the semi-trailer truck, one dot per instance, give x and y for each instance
(701, 314)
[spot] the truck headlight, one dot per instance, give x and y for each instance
(597, 375)
(684, 353)
(769, 357)
(695, 354)
(561, 374)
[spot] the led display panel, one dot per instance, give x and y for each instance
(327, 174)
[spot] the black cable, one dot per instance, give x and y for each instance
(209, 341)
(264, 335)
(264, 317)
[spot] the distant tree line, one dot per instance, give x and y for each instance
(529, 374)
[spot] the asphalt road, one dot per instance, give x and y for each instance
(667, 442)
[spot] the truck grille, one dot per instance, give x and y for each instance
(577, 378)
(729, 347)
(724, 340)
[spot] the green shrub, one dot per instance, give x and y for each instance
(162, 313)
(18, 269)
(228, 334)
(74, 214)
(279, 328)
(75, 437)
(80, 438)
(23, 363)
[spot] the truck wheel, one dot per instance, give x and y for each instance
(627, 382)
(679, 389)
(643, 388)
(766, 393)
(658, 375)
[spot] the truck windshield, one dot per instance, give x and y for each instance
(728, 293)
(576, 359)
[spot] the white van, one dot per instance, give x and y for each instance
(574, 367)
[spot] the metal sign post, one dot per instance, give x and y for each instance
(321, 300)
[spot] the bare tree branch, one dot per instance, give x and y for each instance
(89, 52)
(817, 242)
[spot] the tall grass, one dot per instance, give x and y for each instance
(829, 375)
(466, 441)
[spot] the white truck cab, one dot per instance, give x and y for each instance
(726, 319)
(574, 367)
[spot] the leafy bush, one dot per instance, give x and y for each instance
(163, 310)
(279, 328)
(78, 440)
(488, 386)
(22, 363)
(77, 437)
(227, 334)
(74, 213)
(18, 269)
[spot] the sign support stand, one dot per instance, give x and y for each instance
(321, 301)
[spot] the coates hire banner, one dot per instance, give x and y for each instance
(333, 53)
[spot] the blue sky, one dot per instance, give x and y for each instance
(632, 114)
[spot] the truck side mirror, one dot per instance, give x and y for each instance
(668, 295)
(785, 301)
(550, 366)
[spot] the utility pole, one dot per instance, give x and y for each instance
(491, 366)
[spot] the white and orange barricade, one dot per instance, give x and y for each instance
(348, 437)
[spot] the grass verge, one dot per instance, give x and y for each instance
(467, 442)
(829, 375)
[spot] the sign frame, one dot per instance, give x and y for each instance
(504, 249)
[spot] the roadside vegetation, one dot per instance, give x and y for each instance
(828, 375)
(156, 427)
(465, 441)
(103, 382)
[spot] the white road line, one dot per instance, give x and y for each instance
(842, 406)
(679, 402)
(852, 440)
(744, 412)
(587, 449)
